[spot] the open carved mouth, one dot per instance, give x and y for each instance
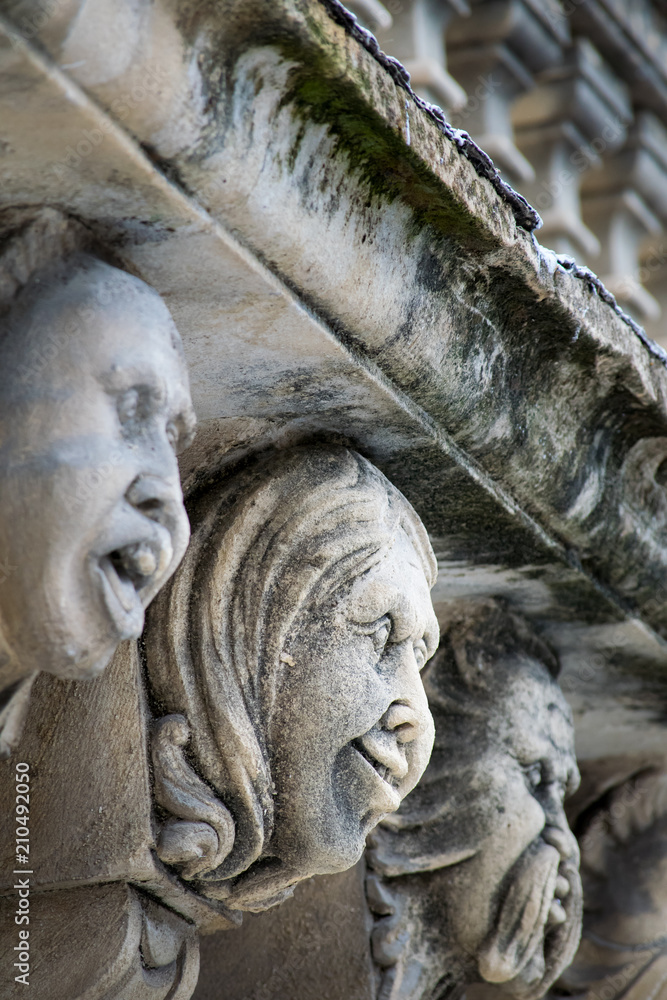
(381, 753)
(382, 769)
(127, 572)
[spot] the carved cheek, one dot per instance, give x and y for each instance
(524, 816)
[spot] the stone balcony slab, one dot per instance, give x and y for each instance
(496, 386)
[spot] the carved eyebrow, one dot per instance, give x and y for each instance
(530, 748)
(121, 379)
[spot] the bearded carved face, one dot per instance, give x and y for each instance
(481, 881)
(521, 887)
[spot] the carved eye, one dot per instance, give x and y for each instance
(421, 653)
(378, 632)
(181, 432)
(534, 776)
(128, 405)
(661, 473)
(381, 635)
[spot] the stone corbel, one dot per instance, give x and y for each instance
(237, 657)
(94, 406)
(202, 773)
(475, 878)
(119, 923)
(103, 942)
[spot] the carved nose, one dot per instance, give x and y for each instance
(562, 839)
(402, 721)
(161, 501)
(154, 497)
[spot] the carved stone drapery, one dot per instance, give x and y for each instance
(288, 651)
(475, 878)
(94, 404)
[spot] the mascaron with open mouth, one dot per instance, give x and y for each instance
(130, 575)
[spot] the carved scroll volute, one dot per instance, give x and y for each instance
(199, 832)
(475, 879)
(286, 654)
(94, 404)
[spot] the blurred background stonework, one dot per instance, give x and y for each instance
(569, 98)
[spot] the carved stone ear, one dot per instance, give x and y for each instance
(199, 833)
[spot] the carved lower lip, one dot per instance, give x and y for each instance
(121, 599)
(382, 772)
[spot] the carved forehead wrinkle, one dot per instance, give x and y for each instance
(533, 716)
(375, 595)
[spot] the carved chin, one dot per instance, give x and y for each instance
(531, 944)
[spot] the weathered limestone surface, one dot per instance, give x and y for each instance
(287, 655)
(94, 406)
(476, 879)
(342, 272)
(520, 415)
(105, 941)
(316, 944)
(277, 695)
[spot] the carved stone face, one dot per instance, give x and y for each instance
(352, 732)
(95, 405)
(521, 885)
(481, 882)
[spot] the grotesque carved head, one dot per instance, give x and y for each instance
(290, 646)
(94, 407)
(498, 899)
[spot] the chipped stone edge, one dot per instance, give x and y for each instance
(525, 215)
